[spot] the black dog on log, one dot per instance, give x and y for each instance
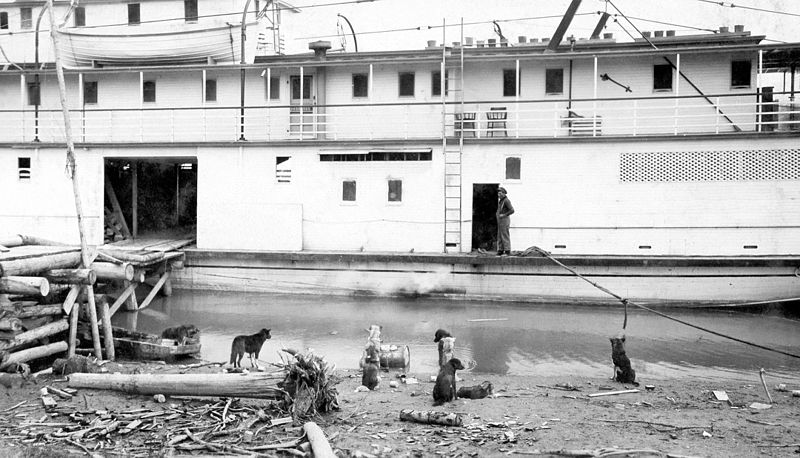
(445, 388)
(370, 376)
(181, 333)
(623, 372)
(248, 344)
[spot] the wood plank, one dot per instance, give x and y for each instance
(154, 291)
(121, 299)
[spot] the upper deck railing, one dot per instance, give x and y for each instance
(710, 114)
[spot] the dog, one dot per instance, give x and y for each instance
(441, 333)
(445, 388)
(476, 392)
(248, 344)
(374, 340)
(369, 378)
(181, 333)
(446, 346)
(623, 372)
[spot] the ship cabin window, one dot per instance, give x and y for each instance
(26, 18)
(34, 95)
(79, 16)
(3, 20)
(406, 84)
(510, 83)
(149, 91)
(190, 10)
(89, 92)
(134, 16)
(211, 90)
(740, 73)
(274, 89)
(436, 83)
(348, 191)
(24, 168)
(554, 81)
(360, 85)
(662, 78)
(395, 190)
(513, 168)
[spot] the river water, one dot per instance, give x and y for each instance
(493, 337)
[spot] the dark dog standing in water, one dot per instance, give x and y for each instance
(370, 376)
(248, 344)
(445, 342)
(445, 388)
(181, 333)
(623, 372)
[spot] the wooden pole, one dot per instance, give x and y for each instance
(154, 291)
(68, 258)
(128, 291)
(135, 198)
(72, 170)
(260, 385)
(71, 276)
(69, 302)
(73, 331)
(319, 443)
(131, 304)
(108, 336)
(110, 271)
(35, 353)
(24, 285)
(32, 311)
(34, 334)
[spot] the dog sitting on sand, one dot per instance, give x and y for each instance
(623, 372)
(444, 390)
(370, 378)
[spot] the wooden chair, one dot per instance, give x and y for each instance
(496, 121)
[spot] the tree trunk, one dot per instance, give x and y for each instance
(432, 417)
(71, 276)
(69, 258)
(262, 386)
(110, 271)
(31, 311)
(34, 353)
(34, 334)
(319, 443)
(24, 285)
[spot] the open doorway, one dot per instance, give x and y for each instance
(484, 223)
(150, 198)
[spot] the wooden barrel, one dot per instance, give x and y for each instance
(395, 356)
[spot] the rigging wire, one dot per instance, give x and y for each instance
(626, 302)
(752, 8)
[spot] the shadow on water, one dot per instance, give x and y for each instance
(499, 338)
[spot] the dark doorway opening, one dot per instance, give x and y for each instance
(150, 197)
(484, 223)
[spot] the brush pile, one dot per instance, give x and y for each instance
(310, 382)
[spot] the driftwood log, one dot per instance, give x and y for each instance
(35, 334)
(110, 271)
(24, 285)
(319, 443)
(31, 311)
(71, 276)
(259, 385)
(431, 417)
(34, 353)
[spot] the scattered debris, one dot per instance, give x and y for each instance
(760, 406)
(611, 393)
(761, 374)
(431, 417)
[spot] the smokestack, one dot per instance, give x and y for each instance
(600, 25)
(320, 48)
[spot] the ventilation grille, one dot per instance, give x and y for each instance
(747, 165)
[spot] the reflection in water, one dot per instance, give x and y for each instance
(500, 338)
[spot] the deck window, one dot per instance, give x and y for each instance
(211, 90)
(134, 17)
(24, 168)
(662, 77)
(274, 88)
(3, 20)
(740, 73)
(34, 94)
(436, 83)
(406, 84)
(510, 83)
(26, 18)
(395, 190)
(79, 16)
(149, 91)
(348, 191)
(554, 81)
(513, 168)
(89, 92)
(190, 10)
(360, 85)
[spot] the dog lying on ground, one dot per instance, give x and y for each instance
(445, 388)
(181, 333)
(369, 378)
(476, 392)
(623, 372)
(248, 344)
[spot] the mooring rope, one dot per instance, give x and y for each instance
(625, 302)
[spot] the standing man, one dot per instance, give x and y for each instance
(504, 210)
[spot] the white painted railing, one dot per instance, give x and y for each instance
(479, 120)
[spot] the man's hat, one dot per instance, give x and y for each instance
(502, 189)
